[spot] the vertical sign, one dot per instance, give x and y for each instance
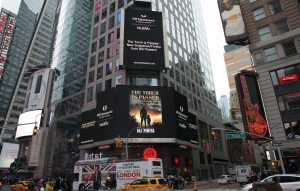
(232, 21)
(142, 40)
(251, 105)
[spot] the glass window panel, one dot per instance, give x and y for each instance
(102, 42)
(111, 23)
(103, 28)
(89, 96)
(270, 54)
(92, 61)
(259, 14)
(100, 72)
(275, 7)
(104, 13)
(264, 33)
(112, 8)
(101, 57)
(289, 48)
(111, 37)
(91, 76)
(282, 26)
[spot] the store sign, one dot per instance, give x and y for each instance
(93, 156)
(142, 42)
(288, 78)
(150, 153)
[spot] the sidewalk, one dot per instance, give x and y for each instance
(201, 184)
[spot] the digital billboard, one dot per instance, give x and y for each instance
(252, 109)
(232, 21)
(8, 154)
(27, 121)
(139, 112)
(142, 40)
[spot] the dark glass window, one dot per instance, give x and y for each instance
(275, 7)
(94, 47)
(104, 13)
(202, 157)
(89, 96)
(289, 48)
(93, 61)
(91, 76)
(112, 8)
(96, 18)
(102, 42)
(100, 72)
(107, 84)
(95, 32)
(171, 73)
(165, 82)
(120, 4)
(259, 14)
(110, 52)
(111, 23)
(209, 158)
(98, 88)
(38, 84)
(282, 26)
(101, 57)
(103, 28)
(118, 33)
(177, 76)
(108, 68)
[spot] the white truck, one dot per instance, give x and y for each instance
(120, 172)
(243, 172)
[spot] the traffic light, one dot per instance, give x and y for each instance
(119, 143)
(213, 135)
(34, 130)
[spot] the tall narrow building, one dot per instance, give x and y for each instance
(30, 48)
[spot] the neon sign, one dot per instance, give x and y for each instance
(150, 153)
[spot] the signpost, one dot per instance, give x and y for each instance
(236, 136)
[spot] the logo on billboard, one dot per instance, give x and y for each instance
(104, 108)
(256, 123)
(181, 108)
(143, 16)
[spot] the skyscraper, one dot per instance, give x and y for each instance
(189, 74)
(30, 48)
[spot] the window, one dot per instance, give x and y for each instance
(110, 52)
(111, 37)
(101, 57)
(259, 14)
(289, 48)
(103, 28)
(104, 13)
(95, 32)
(107, 84)
(251, 1)
(292, 130)
(102, 42)
(270, 54)
(111, 23)
(98, 88)
(264, 33)
(120, 4)
(275, 7)
(108, 68)
(282, 26)
(119, 17)
(100, 72)
(112, 8)
(94, 47)
(38, 84)
(118, 33)
(89, 96)
(202, 158)
(92, 61)
(96, 18)
(91, 76)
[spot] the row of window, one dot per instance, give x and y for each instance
(289, 49)
(274, 7)
(280, 26)
(99, 88)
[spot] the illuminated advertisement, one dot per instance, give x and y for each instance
(27, 122)
(142, 40)
(8, 154)
(141, 112)
(251, 105)
(7, 23)
(232, 21)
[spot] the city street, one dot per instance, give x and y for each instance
(215, 187)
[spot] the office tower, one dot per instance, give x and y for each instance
(30, 48)
(223, 105)
(274, 28)
(69, 59)
(189, 74)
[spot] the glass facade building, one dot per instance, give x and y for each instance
(30, 47)
(69, 59)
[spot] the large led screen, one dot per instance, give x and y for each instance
(138, 112)
(232, 21)
(8, 155)
(27, 121)
(251, 105)
(142, 40)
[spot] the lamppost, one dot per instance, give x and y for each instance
(253, 134)
(126, 142)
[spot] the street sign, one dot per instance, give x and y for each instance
(236, 136)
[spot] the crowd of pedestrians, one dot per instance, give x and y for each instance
(175, 182)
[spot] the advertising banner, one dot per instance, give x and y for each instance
(251, 105)
(139, 112)
(27, 122)
(232, 21)
(142, 40)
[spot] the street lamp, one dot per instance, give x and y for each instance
(269, 139)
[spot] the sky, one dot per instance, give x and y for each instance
(216, 42)
(215, 37)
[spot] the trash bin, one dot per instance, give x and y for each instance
(266, 186)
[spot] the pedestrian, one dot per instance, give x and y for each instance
(108, 183)
(31, 185)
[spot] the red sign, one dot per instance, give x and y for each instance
(150, 153)
(288, 78)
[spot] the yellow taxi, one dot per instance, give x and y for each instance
(20, 186)
(146, 184)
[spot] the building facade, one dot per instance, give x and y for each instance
(30, 48)
(189, 74)
(273, 28)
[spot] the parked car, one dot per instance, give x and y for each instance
(146, 184)
(288, 182)
(224, 179)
